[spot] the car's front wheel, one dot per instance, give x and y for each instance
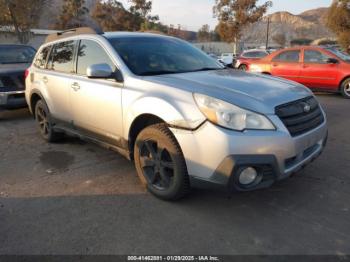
(243, 67)
(345, 88)
(43, 119)
(160, 163)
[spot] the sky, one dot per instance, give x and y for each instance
(192, 14)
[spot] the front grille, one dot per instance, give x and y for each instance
(300, 116)
(12, 82)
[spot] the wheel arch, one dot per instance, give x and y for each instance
(35, 96)
(140, 123)
(342, 81)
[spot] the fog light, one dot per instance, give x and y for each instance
(248, 176)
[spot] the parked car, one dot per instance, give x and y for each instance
(227, 59)
(249, 56)
(182, 117)
(319, 68)
(212, 55)
(14, 60)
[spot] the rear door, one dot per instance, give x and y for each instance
(317, 72)
(287, 64)
(60, 68)
(96, 103)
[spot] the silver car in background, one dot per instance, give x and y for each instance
(182, 117)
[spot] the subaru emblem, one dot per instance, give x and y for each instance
(307, 108)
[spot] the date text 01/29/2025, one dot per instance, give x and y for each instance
(173, 258)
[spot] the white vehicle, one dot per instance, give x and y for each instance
(227, 58)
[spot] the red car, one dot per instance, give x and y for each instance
(321, 69)
(249, 56)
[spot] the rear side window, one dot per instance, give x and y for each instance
(91, 53)
(62, 57)
(40, 60)
(288, 56)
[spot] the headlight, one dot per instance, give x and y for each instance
(230, 116)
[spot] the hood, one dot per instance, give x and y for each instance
(13, 68)
(260, 93)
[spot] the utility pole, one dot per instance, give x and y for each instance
(268, 32)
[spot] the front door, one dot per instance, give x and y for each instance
(317, 72)
(287, 64)
(96, 103)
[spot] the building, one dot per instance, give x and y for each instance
(36, 36)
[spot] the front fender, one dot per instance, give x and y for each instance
(179, 114)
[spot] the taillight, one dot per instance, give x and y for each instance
(26, 73)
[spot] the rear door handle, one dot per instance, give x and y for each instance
(75, 86)
(45, 79)
(274, 65)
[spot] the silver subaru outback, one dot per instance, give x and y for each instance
(183, 118)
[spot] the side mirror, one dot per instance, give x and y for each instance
(332, 61)
(103, 71)
(99, 71)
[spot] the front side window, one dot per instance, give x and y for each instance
(62, 56)
(313, 56)
(16, 54)
(40, 60)
(161, 55)
(288, 56)
(90, 53)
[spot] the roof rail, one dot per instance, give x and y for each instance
(73, 32)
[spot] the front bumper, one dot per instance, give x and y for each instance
(12, 100)
(216, 155)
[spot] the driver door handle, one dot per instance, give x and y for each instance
(75, 86)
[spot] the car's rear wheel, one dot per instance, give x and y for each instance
(345, 88)
(43, 119)
(160, 163)
(243, 67)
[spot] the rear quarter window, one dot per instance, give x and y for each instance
(41, 58)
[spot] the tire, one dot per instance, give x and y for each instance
(243, 67)
(345, 88)
(43, 119)
(160, 163)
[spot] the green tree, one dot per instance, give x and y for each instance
(21, 16)
(203, 34)
(112, 16)
(142, 19)
(235, 15)
(72, 14)
(338, 20)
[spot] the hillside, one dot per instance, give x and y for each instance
(309, 24)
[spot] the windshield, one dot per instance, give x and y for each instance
(16, 54)
(340, 54)
(159, 55)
